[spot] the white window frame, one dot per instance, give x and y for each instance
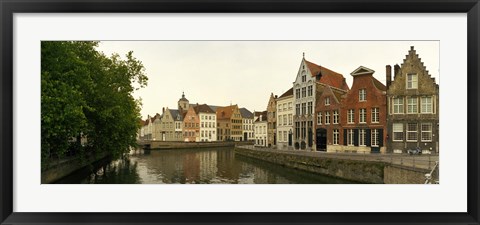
(413, 83)
(398, 107)
(430, 132)
(319, 118)
(424, 104)
(375, 138)
(351, 116)
(362, 137)
(375, 115)
(362, 95)
(362, 117)
(309, 108)
(397, 128)
(336, 136)
(350, 136)
(327, 117)
(335, 117)
(412, 132)
(327, 101)
(412, 103)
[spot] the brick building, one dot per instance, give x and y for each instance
(413, 115)
(364, 116)
(328, 127)
(229, 123)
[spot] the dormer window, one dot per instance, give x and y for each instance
(412, 81)
(327, 101)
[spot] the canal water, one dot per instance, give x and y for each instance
(192, 166)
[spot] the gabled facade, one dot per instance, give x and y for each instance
(178, 124)
(191, 128)
(328, 127)
(272, 120)
(208, 122)
(247, 124)
(285, 120)
(167, 126)
(305, 90)
(413, 97)
(364, 116)
(229, 123)
(261, 130)
(156, 128)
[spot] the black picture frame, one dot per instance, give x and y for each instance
(10, 7)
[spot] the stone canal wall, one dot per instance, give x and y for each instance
(64, 168)
(179, 145)
(354, 170)
(360, 171)
(396, 174)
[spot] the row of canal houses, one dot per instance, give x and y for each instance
(321, 113)
(198, 123)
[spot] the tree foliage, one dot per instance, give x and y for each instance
(87, 94)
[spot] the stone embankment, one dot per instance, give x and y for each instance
(364, 168)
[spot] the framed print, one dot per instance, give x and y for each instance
(200, 112)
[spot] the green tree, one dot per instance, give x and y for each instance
(85, 93)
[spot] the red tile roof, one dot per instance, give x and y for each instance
(329, 77)
(225, 112)
(379, 84)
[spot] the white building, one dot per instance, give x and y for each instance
(208, 122)
(261, 130)
(285, 120)
(247, 124)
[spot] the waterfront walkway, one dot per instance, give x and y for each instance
(412, 161)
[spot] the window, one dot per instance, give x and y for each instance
(427, 132)
(280, 120)
(285, 136)
(412, 132)
(350, 137)
(304, 92)
(289, 106)
(412, 81)
(375, 138)
(304, 77)
(375, 115)
(351, 118)
(362, 95)
(335, 117)
(310, 90)
(398, 105)
(362, 137)
(297, 93)
(297, 109)
(289, 119)
(363, 116)
(327, 101)
(426, 105)
(398, 132)
(284, 106)
(319, 118)
(412, 105)
(327, 117)
(284, 120)
(304, 106)
(336, 136)
(310, 108)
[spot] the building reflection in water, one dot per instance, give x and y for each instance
(195, 166)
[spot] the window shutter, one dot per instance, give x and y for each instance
(355, 137)
(344, 136)
(367, 140)
(380, 137)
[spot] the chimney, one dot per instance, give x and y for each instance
(389, 75)
(276, 96)
(396, 69)
(163, 110)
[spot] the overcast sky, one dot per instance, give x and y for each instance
(246, 72)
